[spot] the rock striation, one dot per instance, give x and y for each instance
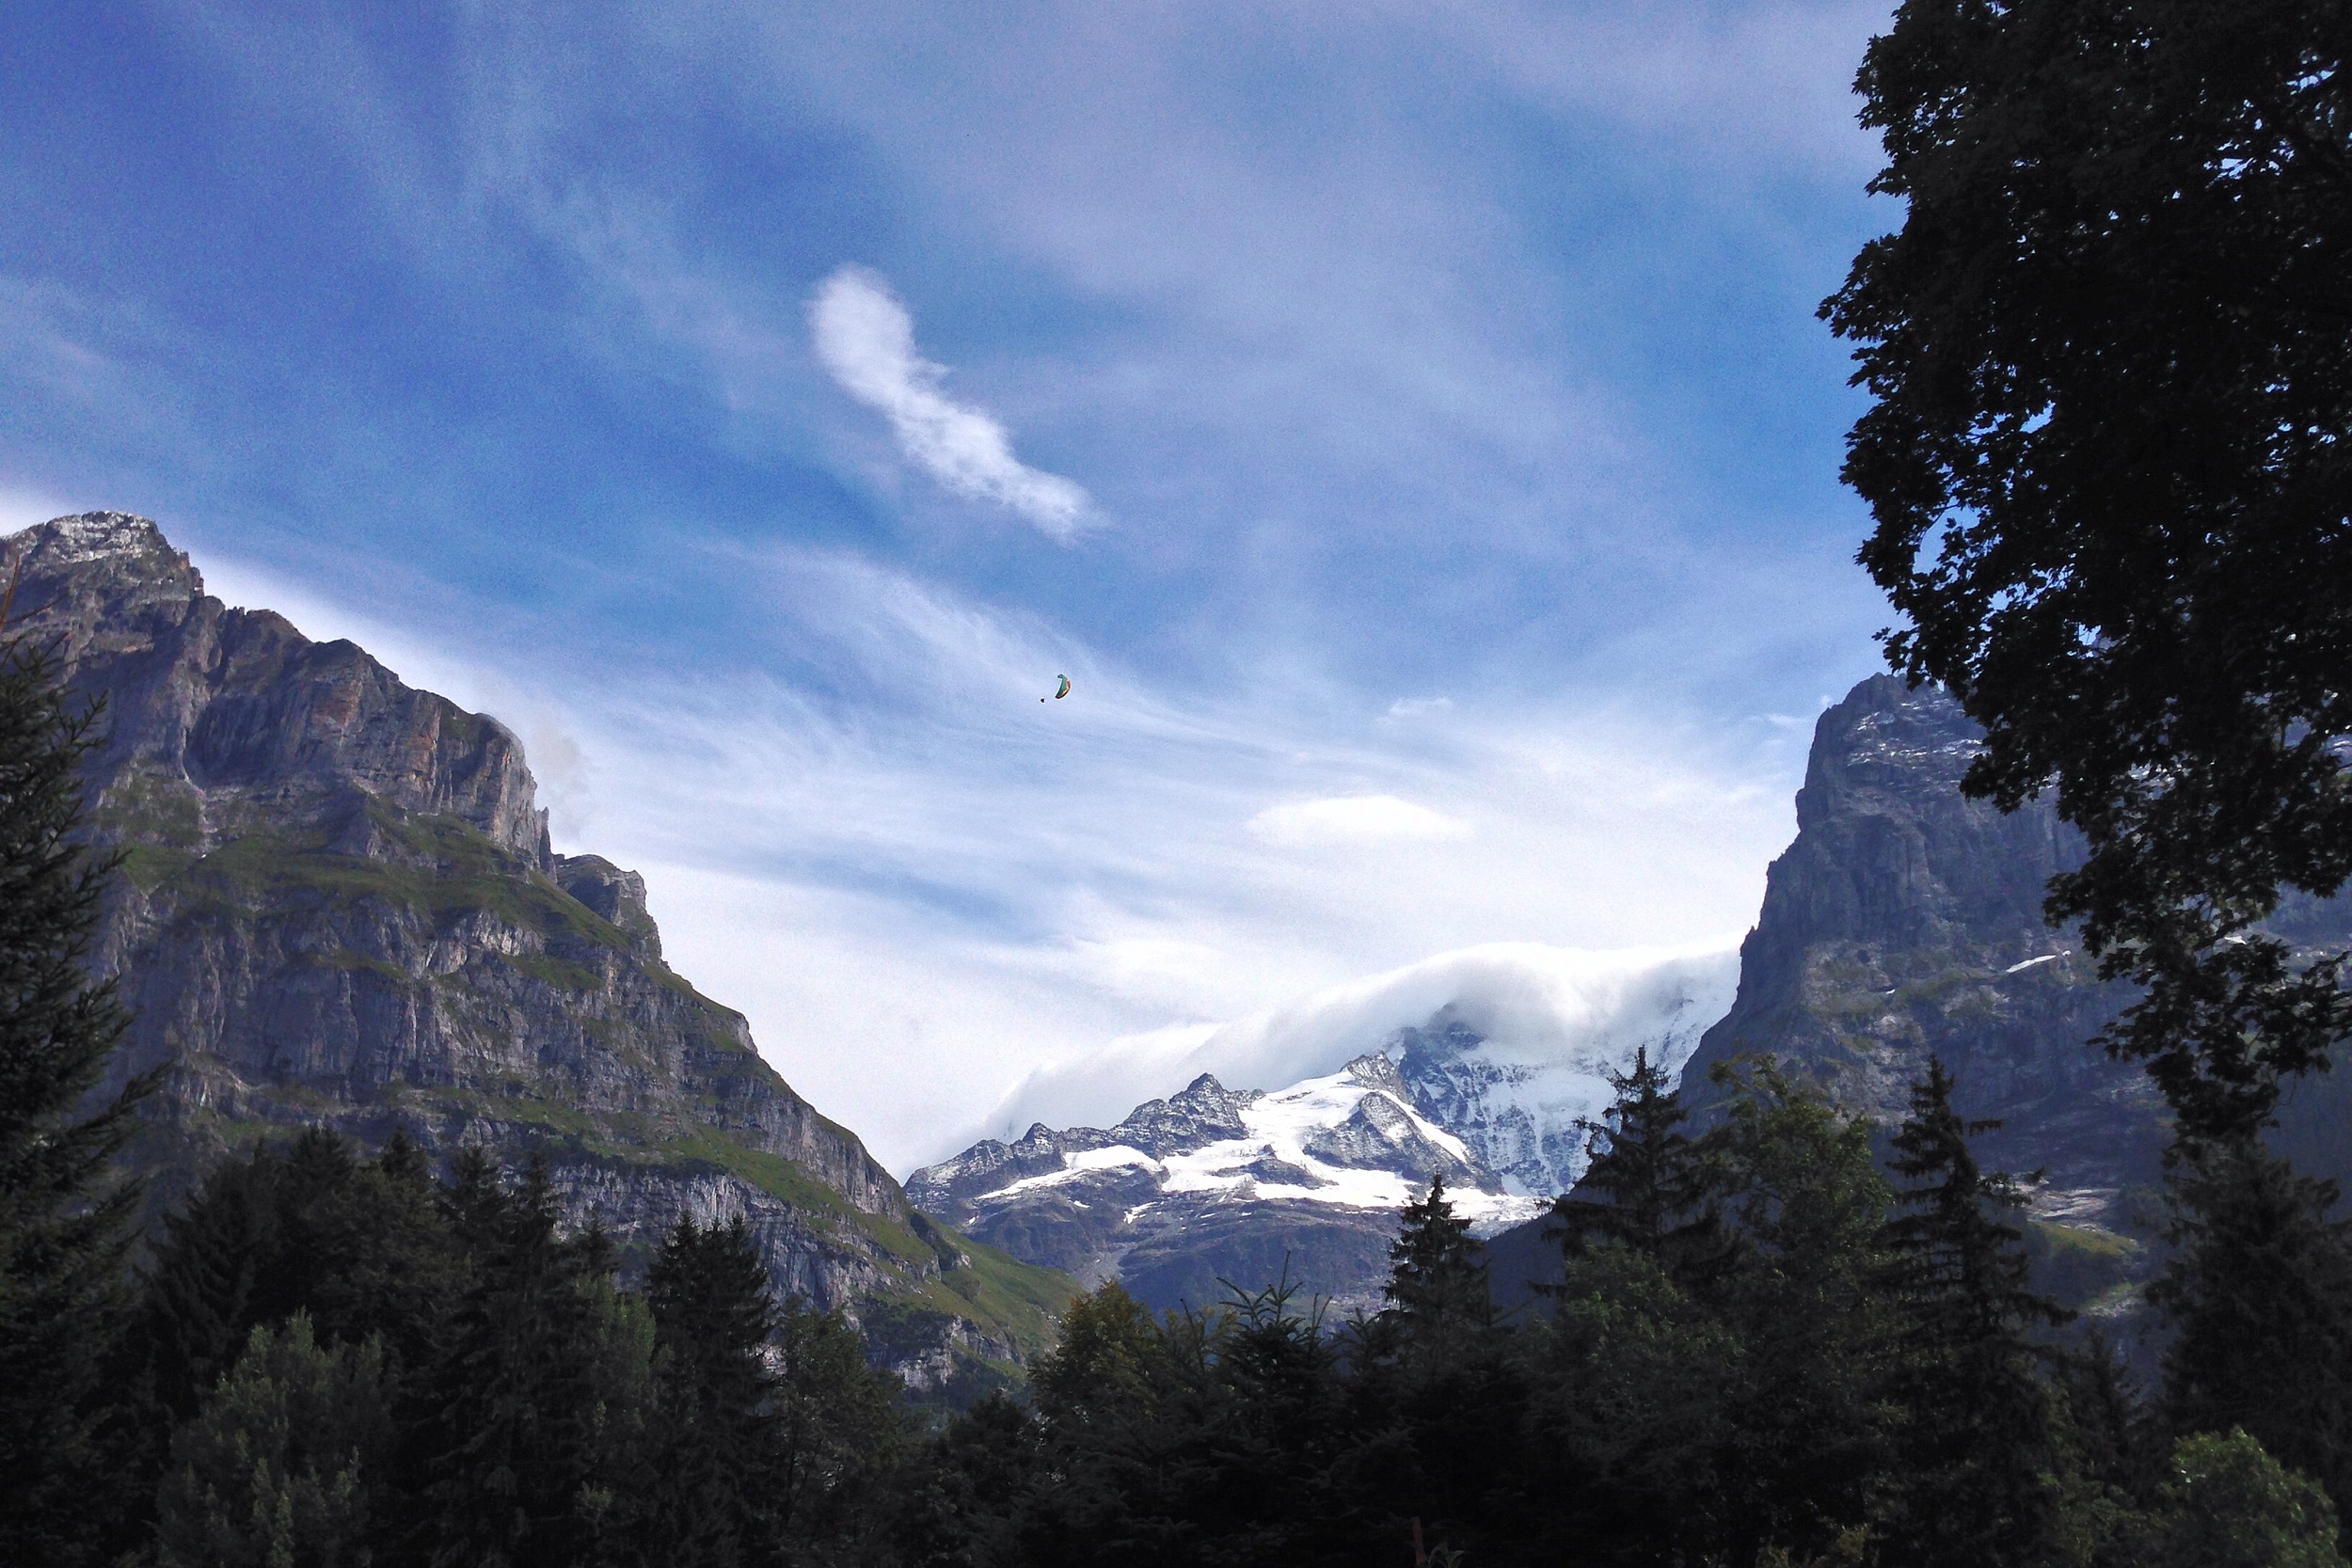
(340, 908)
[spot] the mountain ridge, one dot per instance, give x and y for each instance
(1213, 1186)
(339, 906)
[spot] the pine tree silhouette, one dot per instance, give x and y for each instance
(1972, 1487)
(711, 1499)
(63, 1229)
(1649, 1186)
(2260, 1291)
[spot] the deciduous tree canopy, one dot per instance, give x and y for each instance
(2110, 358)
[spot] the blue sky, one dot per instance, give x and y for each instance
(1406, 424)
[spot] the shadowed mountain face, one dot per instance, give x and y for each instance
(339, 908)
(1904, 923)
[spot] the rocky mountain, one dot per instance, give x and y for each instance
(1212, 1185)
(340, 908)
(1905, 922)
(1521, 1112)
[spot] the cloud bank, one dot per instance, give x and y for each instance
(866, 341)
(1578, 1011)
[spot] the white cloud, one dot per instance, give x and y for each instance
(866, 340)
(1352, 818)
(1536, 1005)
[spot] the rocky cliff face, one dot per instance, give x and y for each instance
(1212, 1185)
(1904, 922)
(340, 908)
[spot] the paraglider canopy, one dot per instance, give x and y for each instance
(1064, 692)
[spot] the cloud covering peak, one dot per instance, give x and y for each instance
(866, 341)
(1576, 1011)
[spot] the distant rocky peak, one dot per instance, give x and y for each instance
(103, 576)
(1204, 1113)
(612, 894)
(1375, 1071)
(92, 535)
(1444, 1036)
(231, 719)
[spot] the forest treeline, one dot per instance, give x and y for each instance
(1760, 1350)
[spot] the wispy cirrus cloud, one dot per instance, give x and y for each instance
(866, 339)
(1451, 372)
(1352, 818)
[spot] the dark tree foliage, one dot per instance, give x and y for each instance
(1438, 1294)
(1974, 1486)
(1648, 1184)
(1439, 1404)
(1806, 1431)
(511, 1457)
(959, 1501)
(359, 1246)
(1201, 1437)
(837, 1435)
(2110, 359)
(710, 1499)
(2260, 1290)
(285, 1460)
(1849, 1382)
(63, 1226)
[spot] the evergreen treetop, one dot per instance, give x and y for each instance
(1648, 1184)
(63, 1227)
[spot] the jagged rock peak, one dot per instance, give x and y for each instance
(231, 717)
(1375, 1071)
(618, 895)
(339, 908)
(1905, 923)
(92, 535)
(1205, 1111)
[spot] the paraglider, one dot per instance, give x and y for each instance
(1063, 692)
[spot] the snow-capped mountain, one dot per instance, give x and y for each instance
(1211, 1185)
(1475, 1066)
(1525, 1118)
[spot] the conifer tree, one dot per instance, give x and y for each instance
(1455, 1396)
(1641, 1361)
(836, 1428)
(362, 1248)
(1972, 1484)
(514, 1461)
(1648, 1185)
(1807, 1200)
(1437, 1291)
(396, 1267)
(711, 1502)
(2260, 1289)
(284, 1460)
(63, 1229)
(206, 1288)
